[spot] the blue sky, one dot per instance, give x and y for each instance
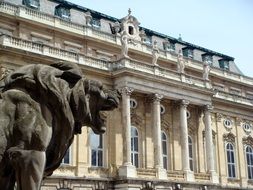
(225, 26)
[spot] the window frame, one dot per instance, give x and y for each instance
(191, 158)
(97, 150)
(30, 3)
(60, 9)
(249, 165)
(69, 153)
(231, 166)
(165, 155)
(135, 153)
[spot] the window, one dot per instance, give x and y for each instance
(35, 4)
(133, 103)
(206, 58)
(134, 147)
(148, 40)
(62, 12)
(227, 124)
(188, 52)
(247, 127)
(96, 145)
(230, 160)
(249, 157)
(224, 64)
(164, 150)
(95, 23)
(162, 109)
(66, 158)
(190, 144)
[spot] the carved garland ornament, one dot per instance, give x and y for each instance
(229, 137)
(248, 141)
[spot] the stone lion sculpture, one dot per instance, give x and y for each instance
(41, 109)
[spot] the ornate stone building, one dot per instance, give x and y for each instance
(186, 116)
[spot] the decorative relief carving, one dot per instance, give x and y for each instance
(248, 141)
(229, 137)
(165, 124)
(184, 103)
(157, 97)
(126, 91)
(238, 121)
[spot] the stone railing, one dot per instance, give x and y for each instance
(233, 98)
(52, 52)
(83, 30)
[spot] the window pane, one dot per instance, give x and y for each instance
(136, 144)
(93, 158)
(164, 147)
(165, 163)
(100, 158)
(136, 160)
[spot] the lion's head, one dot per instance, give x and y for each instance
(90, 100)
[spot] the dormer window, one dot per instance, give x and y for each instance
(95, 23)
(169, 46)
(207, 58)
(148, 40)
(224, 64)
(62, 12)
(35, 4)
(188, 52)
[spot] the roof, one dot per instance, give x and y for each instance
(147, 31)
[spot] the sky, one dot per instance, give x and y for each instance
(224, 26)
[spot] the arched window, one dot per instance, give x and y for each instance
(230, 160)
(96, 145)
(66, 158)
(134, 147)
(249, 156)
(190, 144)
(164, 150)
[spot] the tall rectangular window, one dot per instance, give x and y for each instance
(230, 160)
(134, 147)
(249, 158)
(62, 12)
(96, 145)
(66, 158)
(224, 64)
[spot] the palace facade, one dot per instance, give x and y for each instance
(186, 114)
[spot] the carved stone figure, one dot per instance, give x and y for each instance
(41, 108)
(124, 44)
(155, 53)
(180, 62)
(206, 71)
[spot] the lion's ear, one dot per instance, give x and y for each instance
(71, 72)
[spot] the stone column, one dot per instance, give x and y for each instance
(209, 144)
(184, 140)
(127, 169)
(161, 172)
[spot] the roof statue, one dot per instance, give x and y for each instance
(42, 107)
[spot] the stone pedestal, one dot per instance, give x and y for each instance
(161, 173)
(127, 171)
(214, 178)
(189, 176)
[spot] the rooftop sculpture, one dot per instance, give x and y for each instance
(41, 108)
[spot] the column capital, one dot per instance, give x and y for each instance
(126, 91)
(208, 107)
(184, 103)
(156, 97)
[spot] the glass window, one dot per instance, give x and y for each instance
(133, 103)
(224, 64)
(164, 150)
(249, 157)
(62, 12)
(230, 160)
(95, 23)
(31, 3)
(206, 58)
(66, 158)
(134, 147)
(187, 52)
(190, 144)
(148, 40)
(96, 145)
